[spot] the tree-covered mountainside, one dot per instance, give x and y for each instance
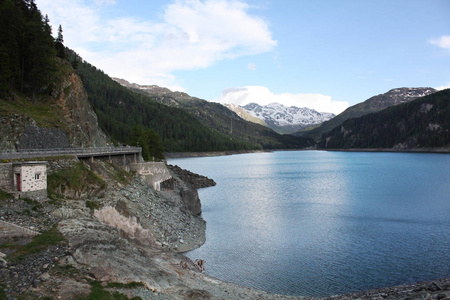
(42, 100)
(422, 123)
(221, 119)
(27, 49)
(371, 105)
(119, 109)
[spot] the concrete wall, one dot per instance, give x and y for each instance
(123, 160)
(154, 172)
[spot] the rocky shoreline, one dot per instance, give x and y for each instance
(128, 240)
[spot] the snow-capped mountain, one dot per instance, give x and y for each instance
(285, 119)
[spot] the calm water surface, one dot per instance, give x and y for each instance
(319, 223)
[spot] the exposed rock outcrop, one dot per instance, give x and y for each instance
(187, 184)
(63, 119)
(83, 130)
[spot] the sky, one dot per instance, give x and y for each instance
(323, 54)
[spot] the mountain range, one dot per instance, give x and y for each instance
(419, 124)
(285, 119)
(220, 119)
(374, 104)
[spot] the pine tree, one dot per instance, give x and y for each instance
(59, 44)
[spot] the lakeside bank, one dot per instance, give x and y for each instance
(171, 155)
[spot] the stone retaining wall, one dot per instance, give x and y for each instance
(6, 176)
(155, 173)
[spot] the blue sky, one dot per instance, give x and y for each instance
(325, 55)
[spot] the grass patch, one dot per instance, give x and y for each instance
(2, 292)
(120, 174)
(98, 293)
(67, 270)
(78, 178)
(35, 204)
(93, 205)
(39, 243)
(45, 112)
(6, 245)
(5, 196)
(130, 285)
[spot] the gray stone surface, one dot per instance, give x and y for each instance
(35, 137)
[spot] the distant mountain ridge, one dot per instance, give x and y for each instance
(374, 104)
(220, 119)
(423, 123)
(244, 114)
(284, 119)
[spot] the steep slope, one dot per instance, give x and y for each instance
(285, 119)
(422, 123)
(119, 109)
(43, 103)
(221, 119)
(373, 104)
(59, 120)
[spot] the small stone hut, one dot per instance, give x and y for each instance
(25, 179)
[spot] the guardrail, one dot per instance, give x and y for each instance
(30, 153)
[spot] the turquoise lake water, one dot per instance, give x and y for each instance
(316, 223)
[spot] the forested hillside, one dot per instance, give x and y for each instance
(221, 119)
(119, 109)
(371, 105)
(422, 123)
(42, 100)
(27, 49)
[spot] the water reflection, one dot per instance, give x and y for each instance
(322, 223)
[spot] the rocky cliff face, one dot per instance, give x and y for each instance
(63, 119)
(83, 130)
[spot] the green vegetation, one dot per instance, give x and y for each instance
(98, 293)
(41, 242)
(2, 292)
(27, 49)
(130, 285)
(93, 205)
(149, 140)
(220, 119)
(120, 175)
(5, 196)
(422, 123)
(119, 109)
(35, 204)
(44, 111)
(78, 178)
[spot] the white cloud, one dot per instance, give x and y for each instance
(443, 87)
(263, 96)
(193, 34)
(251, 66)
(442, 42)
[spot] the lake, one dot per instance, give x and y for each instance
(317, 223)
